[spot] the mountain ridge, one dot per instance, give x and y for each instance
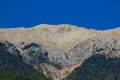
(46, 33)
(56, 50)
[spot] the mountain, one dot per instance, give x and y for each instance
(97, 67)
(59, 51)
(101, 60)
(12, 67)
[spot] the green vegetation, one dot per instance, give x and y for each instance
(12, 67)
(97, 67)
(21, 75)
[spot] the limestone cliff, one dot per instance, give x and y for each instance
(56, 50)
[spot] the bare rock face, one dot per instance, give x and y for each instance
(109, 46)
(56, 50)
(6, 46)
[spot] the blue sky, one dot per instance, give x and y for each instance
(97, 14)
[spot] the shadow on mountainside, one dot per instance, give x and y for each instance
(97, 67)
(12, 67)
(10, 61)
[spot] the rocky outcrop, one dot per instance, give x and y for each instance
(56, 50)
(109, 46)
(9, 47)
(34, 53)
(11, 59)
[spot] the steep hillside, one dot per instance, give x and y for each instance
(12, 67)
(97, 67)
(56, 50)
(101, 60)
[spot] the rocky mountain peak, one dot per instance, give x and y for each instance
(56, 50)
(62, 28)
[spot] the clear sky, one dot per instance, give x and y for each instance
(97, 14)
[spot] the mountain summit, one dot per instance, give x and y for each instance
(56, 50)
